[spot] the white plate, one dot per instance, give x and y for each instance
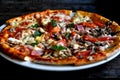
(57, 68)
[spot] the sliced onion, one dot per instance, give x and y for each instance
(61, 43)
(37, 52)
(80, 28)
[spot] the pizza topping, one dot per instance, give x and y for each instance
(99, 24)
(27, 58)
(114, 33)
(60, 17)
(89, 38)
(62, 24)
(42, 30)
(53, 22)
(51, 29)
(67, 35)
(14, 41)
(102, 48)
(82, 54)
(71, 25)
(108, 23)
(12, 30)
(58, 47)
(49, 41)
(88, 24)
(24, 23)
(80, 27)
(103, 38)
(80, 19)
(55, 17)
(14, 24)
(76, 46)
(90, 58)
(62, 42)
(37, 51)
(40, 38)
(37, 33)
(92, 39)
(35, 43)
(45, 21)
(35, 25)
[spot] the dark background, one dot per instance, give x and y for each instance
(13, 8)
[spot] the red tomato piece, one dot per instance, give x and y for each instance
(73, 33)
(88, 38)
(51, 29)
(99, 24)
(88, 24)
(83, 53)
(103, 38)
(62, 42)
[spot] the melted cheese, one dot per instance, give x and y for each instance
(62, 24)
(14, 41)
(104, 47)
(76, 46)
(90, 58)
(37, 48)
(62, 16)
(45, 21)
(40, 38)
(80, 19)
(26, 58)
(14, 24)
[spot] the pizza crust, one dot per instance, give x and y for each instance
(24, 17)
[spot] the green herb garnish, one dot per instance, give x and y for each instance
(37, 33)
(71, 25)
(35, 25)
(35, 43)
(67, 35)
(80, 34)
(53, 22)
(58, 47)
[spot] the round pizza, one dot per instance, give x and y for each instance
(60, 37)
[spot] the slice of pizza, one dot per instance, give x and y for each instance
(37, 37)
(99, 37)
(13, 36)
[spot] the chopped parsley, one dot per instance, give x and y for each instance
(58, 47)
(71, 25)
(67, 35)
(37, 33)
(35, 26)
(53, 22)
(35, 43)
(80, 34)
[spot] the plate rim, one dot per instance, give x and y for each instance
(57, 68)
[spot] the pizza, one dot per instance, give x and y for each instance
(60, 37)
